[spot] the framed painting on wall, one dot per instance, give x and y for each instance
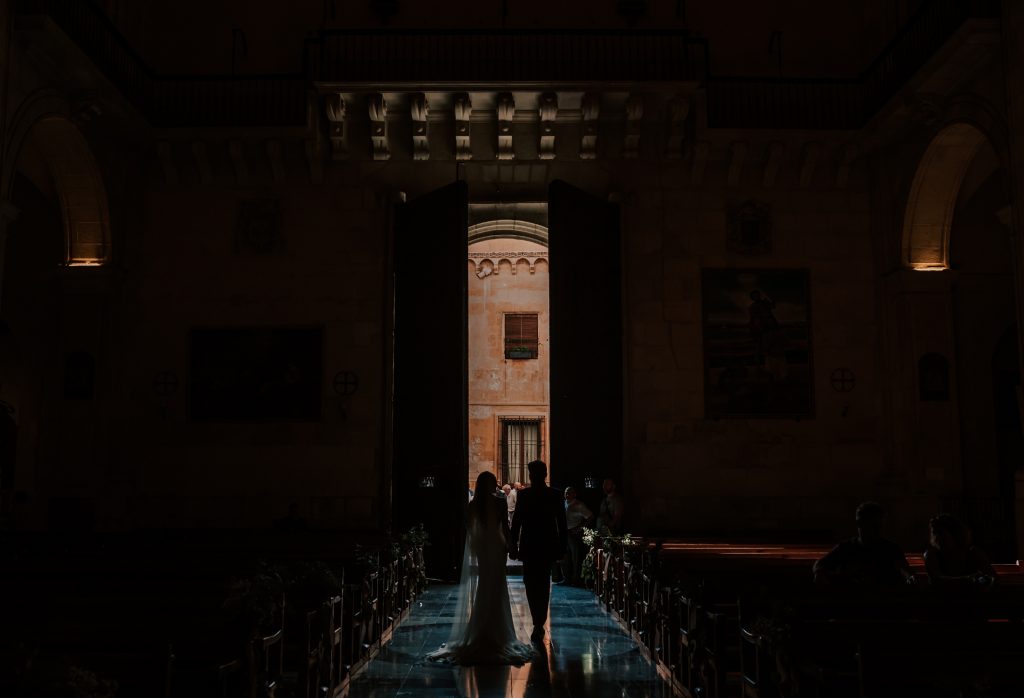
(757, 343)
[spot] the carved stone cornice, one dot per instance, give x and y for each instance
(419, 110)
(514, 257)
(334, 108)
(590, 109)
(548, 109)
(377, 108)
(463, 109)
(506, 113)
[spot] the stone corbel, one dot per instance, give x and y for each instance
(634, 115)
(548, 111)
(591, 108)
(678, 110)
(771, 166)
(202, 162)
(463, 109)
(738, 157)
(506, 112)
(237, 151)
(845, 163)
(700, 162)
(334, 108)
(420, 110)
(276, 157)
(378, 110)
(811, 152)
(166, 154)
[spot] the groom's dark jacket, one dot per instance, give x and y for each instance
(538, 525)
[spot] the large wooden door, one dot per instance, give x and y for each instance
(586, 338)
(430, 447)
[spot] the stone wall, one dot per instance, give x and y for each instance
(500, 387)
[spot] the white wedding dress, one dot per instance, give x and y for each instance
(483, 631)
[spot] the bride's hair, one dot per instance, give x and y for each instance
(485, 483)
(484, 499)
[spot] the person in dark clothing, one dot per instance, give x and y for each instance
(951, 561)
(539, 538)
(867, 561)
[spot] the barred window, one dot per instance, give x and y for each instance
(521, 442)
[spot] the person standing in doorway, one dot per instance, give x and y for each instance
(609, 520)
(577, 515)
(510, 500)
(539, 538)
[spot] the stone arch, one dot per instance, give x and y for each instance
(508, 228)
(44, 126)
(933, 196)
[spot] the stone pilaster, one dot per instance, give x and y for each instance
(1013, 63)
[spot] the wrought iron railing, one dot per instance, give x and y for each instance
(492, 56)
(522, 440)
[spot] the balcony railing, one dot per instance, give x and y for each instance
(842, 104)
(453, 57)
(505, 56)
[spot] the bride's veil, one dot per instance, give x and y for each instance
(486, 485)
(465, 593)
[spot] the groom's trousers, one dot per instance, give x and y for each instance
(537, 580)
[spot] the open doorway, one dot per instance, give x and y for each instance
(579, 423)
(508, 340)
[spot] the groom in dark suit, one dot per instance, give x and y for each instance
(538, 539)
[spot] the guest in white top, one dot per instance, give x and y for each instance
(577, 515)
(510, 500)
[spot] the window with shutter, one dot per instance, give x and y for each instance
(521, 341)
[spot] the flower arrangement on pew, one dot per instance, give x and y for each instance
(596, 541)
(253, 600)
(414, 541)
(309, 582)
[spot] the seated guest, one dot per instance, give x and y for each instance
(868, 561)
(951, 560)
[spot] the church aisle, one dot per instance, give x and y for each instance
(584, 654)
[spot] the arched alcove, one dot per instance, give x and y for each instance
(55, 156)
(933, 196)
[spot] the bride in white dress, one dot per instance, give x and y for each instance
(483, 632)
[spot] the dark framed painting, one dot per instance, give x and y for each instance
(757, 343)
(255, 374)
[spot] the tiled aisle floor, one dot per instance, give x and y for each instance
(584, 654)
